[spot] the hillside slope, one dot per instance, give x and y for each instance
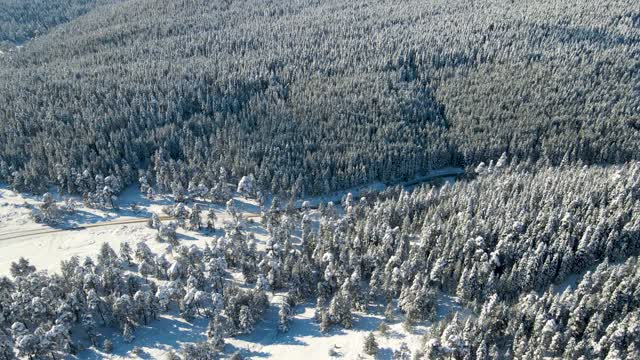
(321, 94)
(21, 20)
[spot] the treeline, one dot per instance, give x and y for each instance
(324, 94)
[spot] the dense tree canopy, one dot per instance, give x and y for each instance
(325, 94)
(21, 20)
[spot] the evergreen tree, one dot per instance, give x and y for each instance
(284, 315)
(370, 345)
(195, 222)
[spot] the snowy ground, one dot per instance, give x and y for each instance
(46, 250)
(304, 339)
(45, 246)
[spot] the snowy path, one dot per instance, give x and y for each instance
(336, 197)
(36, 232)
(44, 231)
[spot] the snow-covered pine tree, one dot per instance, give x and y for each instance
(370, 345)
(195, 222)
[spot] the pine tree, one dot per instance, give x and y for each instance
(181, 213)
(389, 313)
(370, 345)
(154, 221)
(6, 347)
(107, 346)
(211, 220)
(383, 328)
(195, 223)
(89, 327)
(231, 209)
(245, 320)
(483, 352)
(21, 268)
(127, 333)
(325, 322)
(283, 317)
(246, 185)
(125, 253)
(27, 346)
(144, 185)
(178, 192)
(216, 332)
(403, 353)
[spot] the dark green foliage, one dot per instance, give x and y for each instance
(323, 94)
(21, 20)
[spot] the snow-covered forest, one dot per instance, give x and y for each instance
(22, 20)
(321, 95)
(543, 259)
(394, 179)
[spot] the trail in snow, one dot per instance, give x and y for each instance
(36, 232)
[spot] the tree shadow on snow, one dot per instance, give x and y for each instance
(182, 236)
(166, 332)
(391, 334)
(245, 207)
(384, 353)
(255, 228)
(132, 195)
(246, 353)
(266, 331)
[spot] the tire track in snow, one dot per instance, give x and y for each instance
(37, 232)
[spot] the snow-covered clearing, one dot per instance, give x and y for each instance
(46, 250)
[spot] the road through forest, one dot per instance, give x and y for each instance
(45, 231)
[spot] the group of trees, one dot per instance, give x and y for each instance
(498, 242)
(316, 95)
(599, 319)
(99, 193)
(50, 212)
(39, 311)
(501, 241)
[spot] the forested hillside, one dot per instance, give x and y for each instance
(21, 20)
(322, 95)
(545, 260)
(499, 242)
